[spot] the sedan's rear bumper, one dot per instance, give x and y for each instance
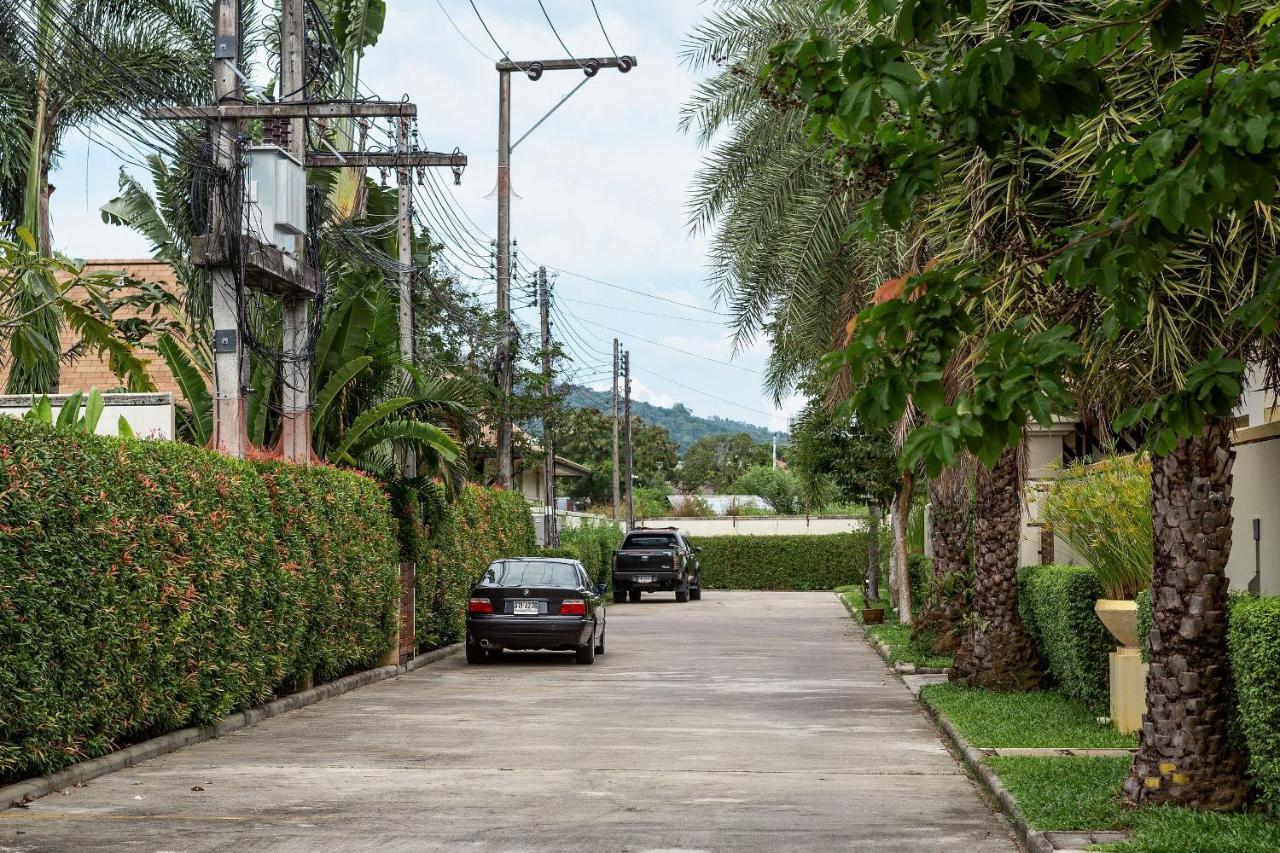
(529, 632)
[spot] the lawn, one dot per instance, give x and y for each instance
(1066, 793)
(1171, 830)
(1044, 719)
(894, 635)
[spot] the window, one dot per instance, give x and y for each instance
(563, 575)
(651, 540)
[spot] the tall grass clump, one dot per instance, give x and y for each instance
(1103, 511)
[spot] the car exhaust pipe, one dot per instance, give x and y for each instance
(485, 644)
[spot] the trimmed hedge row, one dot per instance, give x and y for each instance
(1253, 635)
(593, 545)
(783, 562)
(481, 525)
(1056, 603)
(146, 586)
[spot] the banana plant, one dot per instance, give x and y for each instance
(69, 417)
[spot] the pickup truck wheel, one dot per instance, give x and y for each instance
(682, 593)
(634, 593)
(586, 654)
(695, 592)
(475, 654)
(619, 596)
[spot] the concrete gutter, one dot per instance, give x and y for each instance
(1031, 840)
(21, 793)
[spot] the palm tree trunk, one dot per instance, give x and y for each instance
(871, 586)
(950, 521)
(1186, 755)
(902, 579)
(996, 652)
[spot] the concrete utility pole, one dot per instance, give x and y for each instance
(590, 66)
(631, 505)
(229, 429)
(406, 459)
(617, 498)
(295, 364)
(550, 526)
(506, 473)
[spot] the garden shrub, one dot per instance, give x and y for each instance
(1254, 639)
(595, 544)
(565, 553)
(919, 575)
(1056, 604)
(482, 525)
(146, 586)
(782, 562)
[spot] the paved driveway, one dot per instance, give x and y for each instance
(745, 721)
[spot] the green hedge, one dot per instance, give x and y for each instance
(783, 562)
(480, 526)
(1254, 639)
(1056, 603)
(147, 586)
(593, 545)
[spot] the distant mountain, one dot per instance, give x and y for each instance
(684, 426)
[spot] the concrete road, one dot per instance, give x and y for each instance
(745, 721)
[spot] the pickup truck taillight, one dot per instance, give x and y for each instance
(573, 607)
(479, 605)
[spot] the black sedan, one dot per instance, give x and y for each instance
(535, 603)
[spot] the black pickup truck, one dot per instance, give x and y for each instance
(653, 559)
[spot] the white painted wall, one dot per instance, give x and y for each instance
(761, 525)
(150, 415)
(1255, 483)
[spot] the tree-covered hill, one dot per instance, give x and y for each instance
(683, 425)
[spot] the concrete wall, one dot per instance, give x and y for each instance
(1256, 482)
(761, 525)
(566, 520)
(149, 415)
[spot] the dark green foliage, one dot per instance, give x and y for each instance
(482, 525)
(593, 545)
(782, 562)
(567, 553)
(151, 585)
(1144, 623)
(1254, 638)
(1056, 603)
(683, 425)
(919, 573)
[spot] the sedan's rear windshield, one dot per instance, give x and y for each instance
(661, 540)
(531, 573)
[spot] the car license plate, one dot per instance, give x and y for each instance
(525, 608)
(644, 578)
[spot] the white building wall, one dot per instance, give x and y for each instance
(760, 525)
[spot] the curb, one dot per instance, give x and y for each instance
(21, 793)
(883, 650)
(1031, 840)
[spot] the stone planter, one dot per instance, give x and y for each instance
(1128, 672)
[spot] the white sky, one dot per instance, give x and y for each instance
(602, 185)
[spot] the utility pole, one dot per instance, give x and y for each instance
(506, 473)
(775, 450)
(617, 498)
(295, 365)
(549, 524)
(631, 506)
(590, 66)
(229, 429)
(406, 459)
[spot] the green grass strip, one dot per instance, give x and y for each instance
(1044, 719)
(1080, 793)
(898, 638)
(1172, 830)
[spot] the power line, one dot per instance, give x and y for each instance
(459, 31)
(556, 32)
(607, 40)
(673, 349)
(646, 313)
(708, 394)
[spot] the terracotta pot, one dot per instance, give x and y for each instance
(873, 615)
(1120, 616)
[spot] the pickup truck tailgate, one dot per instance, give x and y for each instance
(640, 559)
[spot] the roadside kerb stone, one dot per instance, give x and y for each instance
(883, 650)
(19, 794)
(1031, 840)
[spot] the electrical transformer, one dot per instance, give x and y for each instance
(276, 199)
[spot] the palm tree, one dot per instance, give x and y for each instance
(63, 64)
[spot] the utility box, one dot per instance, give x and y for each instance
(276, 200)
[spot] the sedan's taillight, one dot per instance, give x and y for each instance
(573, 607)
(479, 605)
